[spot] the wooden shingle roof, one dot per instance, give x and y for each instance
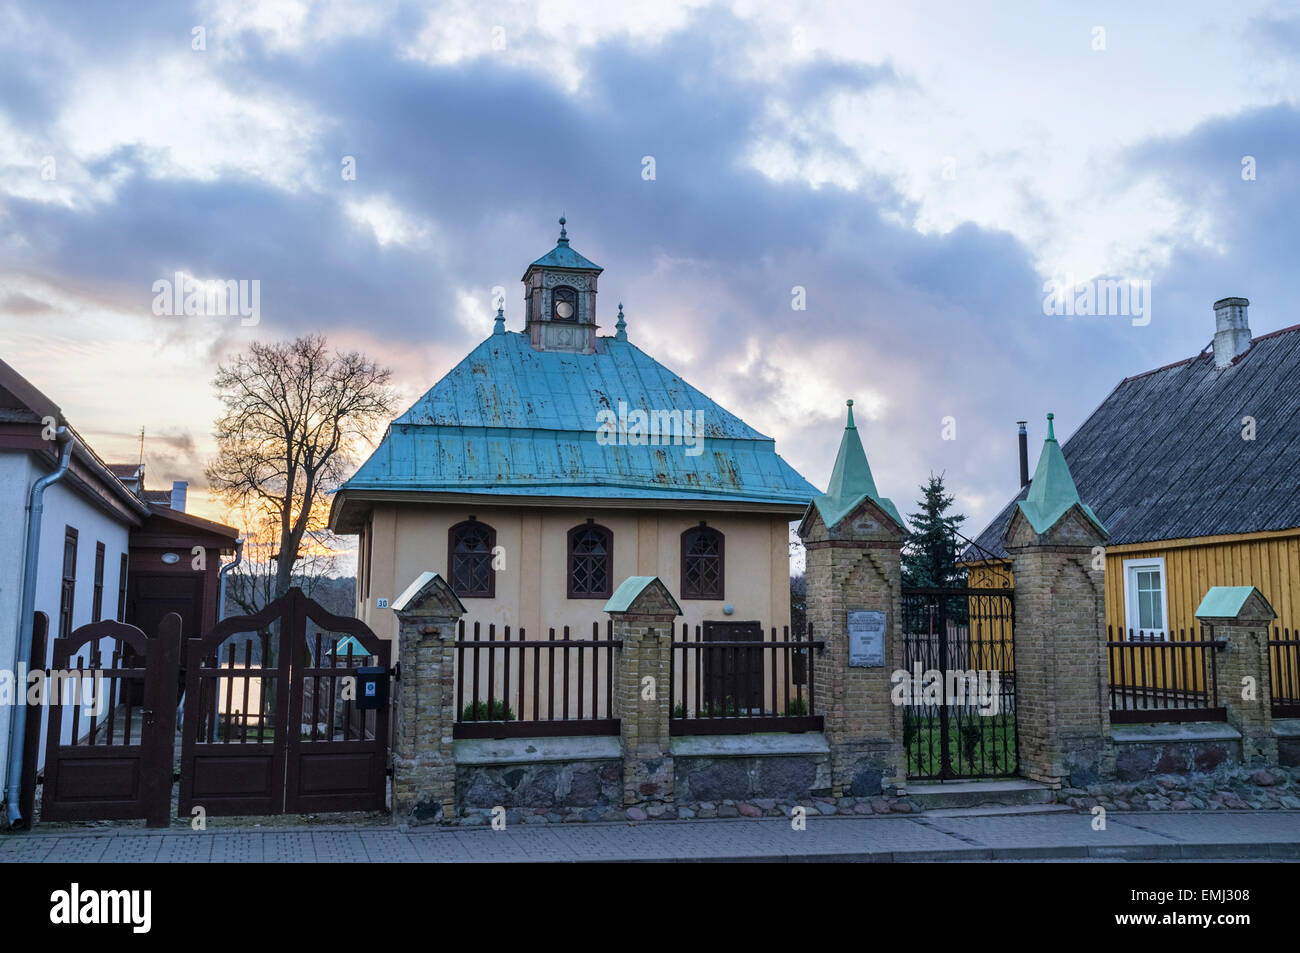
(1164, 457)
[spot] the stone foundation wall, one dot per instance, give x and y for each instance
(1288, 741)
(772, 777)
(1144, 751)
(585, 785)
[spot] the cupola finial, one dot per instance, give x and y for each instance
(1051, 430)
(620, 327)
(850, 425)
(499, 326)
(564, 235)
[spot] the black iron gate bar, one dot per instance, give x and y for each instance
(969, 744)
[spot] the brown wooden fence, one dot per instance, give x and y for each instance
(1157, 679)
(521, 687)
(1284, 665)
(731, 679)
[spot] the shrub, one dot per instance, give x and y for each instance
(478, 711)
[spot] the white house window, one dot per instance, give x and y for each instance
(1145, 600)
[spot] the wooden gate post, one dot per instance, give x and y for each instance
(1057, 553)
(1240, 616)
(424, 759)
(643, 611)
(159, 731)
(853, 538)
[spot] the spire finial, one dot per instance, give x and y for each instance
(850, 425)
(621, 326)
(1051, 431)
(499, 326)
(564, 235)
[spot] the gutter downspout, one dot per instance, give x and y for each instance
(23, 650)
(221, 614)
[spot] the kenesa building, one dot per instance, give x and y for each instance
(553, 463)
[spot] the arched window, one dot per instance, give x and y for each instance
(564, 304)
(702, 563)
(469, 559)
(591, 562)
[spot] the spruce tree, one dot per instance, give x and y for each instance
(931, 548)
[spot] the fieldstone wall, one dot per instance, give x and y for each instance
(770, 777)
(550, 791)
(1227, 788)
(1288, 741)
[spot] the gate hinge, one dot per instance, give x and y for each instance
(396, 671)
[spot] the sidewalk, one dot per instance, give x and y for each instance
(1259, 835)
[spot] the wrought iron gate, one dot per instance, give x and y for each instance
(270, 724)
(959, 719)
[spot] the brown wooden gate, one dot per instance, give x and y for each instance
(270, 726)
(112, 760)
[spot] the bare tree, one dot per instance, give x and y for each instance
(295, 415)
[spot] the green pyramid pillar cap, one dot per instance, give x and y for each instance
(851, 480)
(1052, 491)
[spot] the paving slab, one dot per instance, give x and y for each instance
(998, 836)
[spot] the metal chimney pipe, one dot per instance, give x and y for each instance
(1024, 455)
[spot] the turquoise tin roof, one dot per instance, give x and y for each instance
(511, 420)
(562, 256)
(851, 481)
(1052, 491)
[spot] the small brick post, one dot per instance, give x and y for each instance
(1062, 675)
(643, 611)
(856, 565)
(424, 762)
(1245, 686)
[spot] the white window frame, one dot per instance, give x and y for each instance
(1131, 566)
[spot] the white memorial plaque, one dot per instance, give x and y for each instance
(866, 638)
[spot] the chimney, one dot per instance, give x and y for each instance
(1231, 330)
(1024, 455)
(178, 495)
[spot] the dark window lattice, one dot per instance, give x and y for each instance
(589, 562)
(471, 560)
(702, 564)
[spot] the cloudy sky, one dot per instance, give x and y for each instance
(921, 170)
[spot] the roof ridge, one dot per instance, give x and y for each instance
(1207, 350)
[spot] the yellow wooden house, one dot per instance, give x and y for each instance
(1194, 468)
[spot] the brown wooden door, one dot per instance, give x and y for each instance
(112, 761)
(733, 675)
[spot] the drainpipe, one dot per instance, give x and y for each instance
(221, 614)
(26, 612)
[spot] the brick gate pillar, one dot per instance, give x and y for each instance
(1062, 703)
(1240, 617)
(424, 762)
(643, 611)
(853, 538)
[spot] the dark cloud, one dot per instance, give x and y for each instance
(490, 154)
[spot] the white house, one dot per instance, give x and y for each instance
(88, 515)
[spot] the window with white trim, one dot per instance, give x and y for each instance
(1145, 597)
